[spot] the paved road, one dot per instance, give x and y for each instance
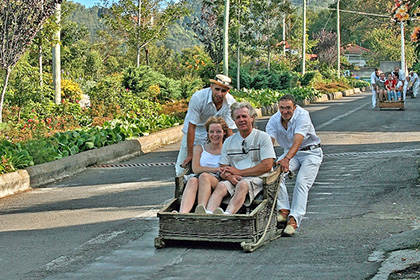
(100, 224)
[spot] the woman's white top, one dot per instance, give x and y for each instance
(209, 160)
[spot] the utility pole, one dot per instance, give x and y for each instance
(284, 34)
(226, 39)
(304, 38)
(138, 33)
(338, 39)
(402, 48)
(56, 61)
(238, 68)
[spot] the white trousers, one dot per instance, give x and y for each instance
(373, 98)
(307, 163)
(183, 152)
(416, 88)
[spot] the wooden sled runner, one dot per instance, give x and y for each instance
(400, 105)
(391, 105)
(251, 227)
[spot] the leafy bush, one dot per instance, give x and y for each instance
(139, 80)
(71, 91)
(195, 62)
(274, 80)
(308, 77)
(13, 157)
(334, 86)
(25, 89)
(62, 144)
(302, 93)
(189, 85)
(356, 83)
(42, 150)
(43, 119)
(106, 95)
(244, 75)
(268, 97)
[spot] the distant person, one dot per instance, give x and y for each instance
(407, 86)
(292, 128)
(390, 87)
(374, 77)
(246, 156)
(398, 87)
(205, 165)
(401, 73)
(414, 77)
(382, 92)
(213, 101)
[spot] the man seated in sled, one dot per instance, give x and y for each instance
(246, 155)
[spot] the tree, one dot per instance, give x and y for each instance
(20, 20)
(266, 19)
(355, 26)
(44, 40)
(141, 22)
(326, 49)
(386, 45)
(209, 30)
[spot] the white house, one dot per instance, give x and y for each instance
(354, 53)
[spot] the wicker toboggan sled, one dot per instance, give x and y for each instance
(252, 226)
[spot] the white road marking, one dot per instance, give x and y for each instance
(340, 117)
(148, 214)
(63, 261)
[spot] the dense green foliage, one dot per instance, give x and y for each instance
(106, 99)
(63, 144)
(266, 97)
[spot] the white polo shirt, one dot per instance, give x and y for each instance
(299, 123)
(201, 107)
(249, 152)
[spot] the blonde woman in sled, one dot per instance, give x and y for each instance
(205, 166)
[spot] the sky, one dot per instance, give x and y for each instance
(88, 3)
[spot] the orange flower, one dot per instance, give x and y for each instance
(415, 36)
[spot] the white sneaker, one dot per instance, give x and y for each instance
(219, 211)
(200, 209)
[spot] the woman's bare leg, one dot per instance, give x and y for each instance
(188, 197)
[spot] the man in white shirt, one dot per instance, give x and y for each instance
(401, 73)
(415, 83)
(246, 156)
(292, 128)
(213, 101)
(374, 77)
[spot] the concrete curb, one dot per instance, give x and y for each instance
(38, 175)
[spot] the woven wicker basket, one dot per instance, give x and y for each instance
(239, 228)
(392, 105)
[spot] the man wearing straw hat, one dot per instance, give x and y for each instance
(212, 101)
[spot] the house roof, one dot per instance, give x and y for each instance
(353, 49)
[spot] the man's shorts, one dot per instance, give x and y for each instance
(255, 185)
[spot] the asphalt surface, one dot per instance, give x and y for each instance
(362, 220)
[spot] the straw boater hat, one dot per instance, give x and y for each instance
(222, 80)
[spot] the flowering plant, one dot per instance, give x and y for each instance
(407, 10)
